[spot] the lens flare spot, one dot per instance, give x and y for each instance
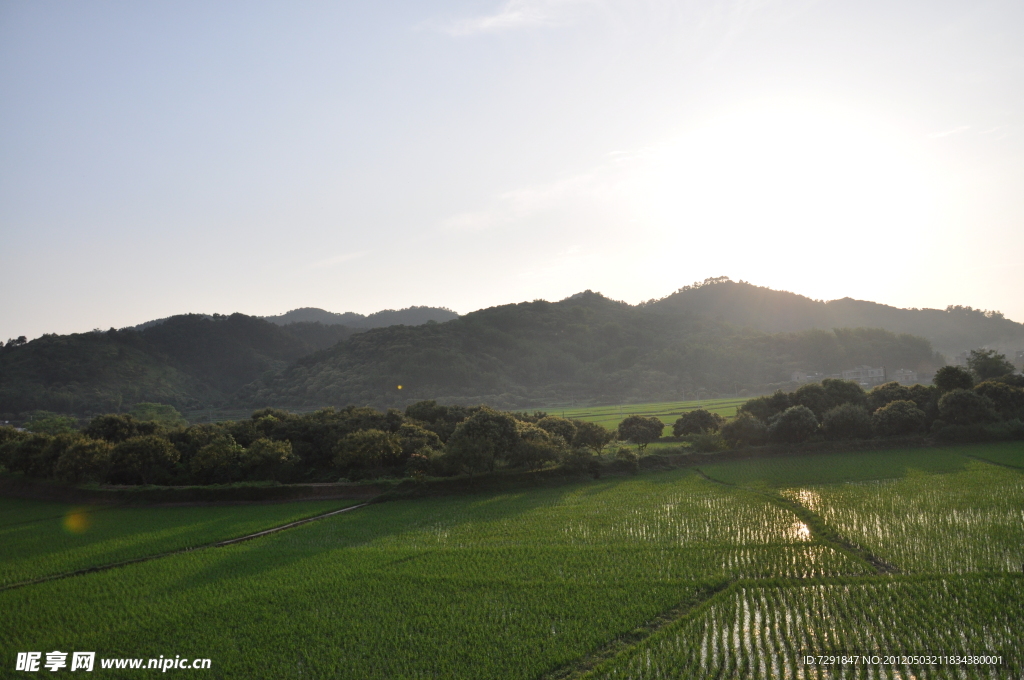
(76, 521)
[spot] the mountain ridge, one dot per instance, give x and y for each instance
(718, 335)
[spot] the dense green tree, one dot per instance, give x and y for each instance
(536, 447)
(164, 414)
(268, 459)
(887, 393)
(18, 448)
(563, 427)
(966, 407)
(794, 425)
(592, 436)
(950, 378)
(987, 364)
(219, 462)
(57, 447)
(765, 407)
(485, 438)
(641, 430)
(901, 417)
(441, 420)
(145, 459)
(46, 422)
(847, 421)
(814, 397)
(367, 451)
(85, 460)
(844, 392)
(418, 440)
(697, 421)
(1007, 400)
(116, 428)
(744, 430)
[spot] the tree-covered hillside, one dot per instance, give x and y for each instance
(952, 330)
(584, 347)
(410, 316)
(188, 361)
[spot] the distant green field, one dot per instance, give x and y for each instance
(825, 468)
(39, 539)
(668, 411)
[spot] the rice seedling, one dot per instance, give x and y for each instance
(880, 625)
(508, 586)
(40, 539)
(972, 520)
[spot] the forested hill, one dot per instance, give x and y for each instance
(950, 331)
(584, 347)
(410, 316)
(188, 361)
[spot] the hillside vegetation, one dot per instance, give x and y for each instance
(410, 316)
(951, 330)
(188, 361)
(716, 337)
(586, 346)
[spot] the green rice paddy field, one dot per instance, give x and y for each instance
(715, 572)
(667, 411)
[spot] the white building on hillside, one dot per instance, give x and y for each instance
(865, 376)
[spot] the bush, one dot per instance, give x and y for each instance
(582, 460)
(794, 425)
(744, 430)
(965, 407)
(698, 421)
(959, 434)
(628, 459)
(848, 421)
(898, 418)
(418, 466)
(708, 443)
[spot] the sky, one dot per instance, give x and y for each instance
(161, 158)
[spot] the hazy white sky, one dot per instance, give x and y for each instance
(159, 158)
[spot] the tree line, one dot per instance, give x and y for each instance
(153, 445)
(983, 401)
(352, 443)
